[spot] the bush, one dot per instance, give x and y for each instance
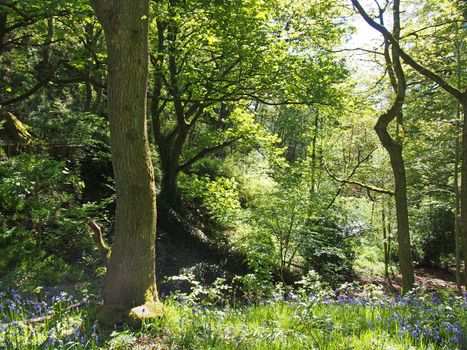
(41, 222)
(434, 246)
(218, 198)
(327, 248)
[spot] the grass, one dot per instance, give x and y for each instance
(416, 321)
(293, 324)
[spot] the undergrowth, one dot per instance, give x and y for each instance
(351, 317)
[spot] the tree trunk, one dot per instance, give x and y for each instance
(457, 199)
(131, 267)
(385, 242)
(3, 24)
(394, 147)
(463, 199)
(169, 189)
(461, 96)
(170, 159)
(314, 152)
(400, 194)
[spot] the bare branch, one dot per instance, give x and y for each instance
(104, 249)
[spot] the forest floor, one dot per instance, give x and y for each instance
(430, 281)
(363, 318)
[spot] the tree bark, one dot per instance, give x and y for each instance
(385, 242)
(3, 23)
(314, 152)
(170, 169)
(457, 163)
(400, 194)
(463, 197)
(131, 266)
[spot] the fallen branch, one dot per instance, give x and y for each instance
(104, 249)
(51, 316)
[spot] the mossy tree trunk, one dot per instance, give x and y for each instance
(131, 266)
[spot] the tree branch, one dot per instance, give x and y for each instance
(205, 152)
(358, 183)
(35, 88)
(407, 59)
(104, 249)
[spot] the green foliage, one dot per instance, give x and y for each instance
(122, 340)
(435, 240)
(67, 132)
(329, 248)
(260, 84)
(64, 326)
(218, 197)
(327, 321)
(41, 224)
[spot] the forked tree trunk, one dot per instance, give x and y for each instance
(394, 148)
(131, 267)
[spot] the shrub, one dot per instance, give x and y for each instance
(41, 222)
(327, 248)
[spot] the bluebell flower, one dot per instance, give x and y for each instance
(94, 335)
(75, 332)
(51, 339)
(15, 294)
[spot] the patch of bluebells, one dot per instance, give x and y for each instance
(423, 318)
(17, 333)
(427, 318)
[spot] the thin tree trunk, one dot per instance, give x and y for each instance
(463, 194)
(3, 24)
(131, 267)
(314, 153)
(457, 211)
(88, 95)
(385, 242)
(389, 230)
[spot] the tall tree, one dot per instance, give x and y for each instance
(131, 266)
(208, 61)
(459, 93)
(393, 146)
